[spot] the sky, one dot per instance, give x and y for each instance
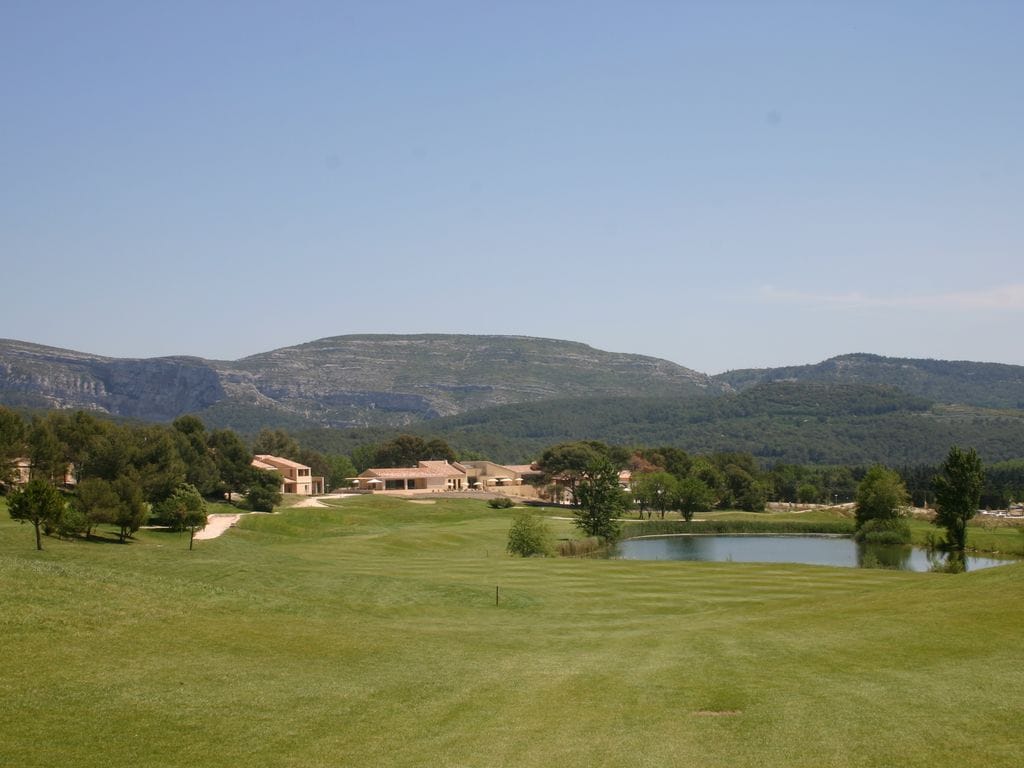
(721, 184)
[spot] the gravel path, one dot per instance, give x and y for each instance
(219, 522)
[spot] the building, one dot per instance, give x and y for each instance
(427, 476)
(295, 478)
(22, 472)
(440, 476)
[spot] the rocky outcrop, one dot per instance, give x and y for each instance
(156, 389)
(339, 381)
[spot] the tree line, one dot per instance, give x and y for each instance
(86, 471)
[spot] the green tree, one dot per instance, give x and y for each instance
(957, 492)
(157, 462)
(600, 500)
(38, 503)
(184, 508)
(882, 500)
(569, 462)
(529, 535)
(97, 501)
(340, 469)
(693, 495)
(233, 460)
(12, 443)
(276, 442)
(657, 490)
(808, 493)
(881, 495)
(194, 450)
(46, 452)
(131, 510)
(264, 490)
(407, 450)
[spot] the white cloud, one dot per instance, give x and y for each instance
(1006, 298)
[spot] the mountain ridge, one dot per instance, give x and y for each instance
(396, 380)
(357, 380)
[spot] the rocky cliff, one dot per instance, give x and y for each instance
(339, 381)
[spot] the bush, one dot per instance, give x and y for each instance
(580, 547)
(879, 531)
(529, 535)
(502, 502)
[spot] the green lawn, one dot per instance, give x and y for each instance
(367, 635)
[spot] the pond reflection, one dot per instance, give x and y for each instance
(810, 550)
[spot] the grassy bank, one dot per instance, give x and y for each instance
(367, 634)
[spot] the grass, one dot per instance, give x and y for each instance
(366, 634)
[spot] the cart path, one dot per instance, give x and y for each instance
(219, 522)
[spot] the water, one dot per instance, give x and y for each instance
(811, 550)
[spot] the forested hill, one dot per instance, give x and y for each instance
(339, 381)
(791, 422)
(987, 385)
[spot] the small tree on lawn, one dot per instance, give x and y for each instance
(693, 495)
(600, 500)
(184, 508)
(957, 493)
(264, 490)
(38, 503)
(882, 499)
(528, 535)
(97, 501)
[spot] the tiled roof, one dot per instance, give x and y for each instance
(442, 468)
(279, 462)
(425, 469)
(398, 472)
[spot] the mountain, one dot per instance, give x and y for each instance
(510, 396)
(342, 381)
(790, 422)
(985, 385)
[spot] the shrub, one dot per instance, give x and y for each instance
(501, 502)
(880, 531)
(580, 547)
(529, 535)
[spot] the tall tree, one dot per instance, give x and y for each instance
(157, 462)
(406, 450)
(600, 500)
(194, 450)
(340, 470)
(38, 503)
(276, 442)
(12, 442)
(957, 492)
(131, 510)
(233, 460)
(657, 490)
(569, 462)
(46, 452)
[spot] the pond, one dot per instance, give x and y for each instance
(810, 550)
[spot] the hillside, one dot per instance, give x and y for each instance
(793, 422)
(986, 385)
(339, 381)
(508, 397)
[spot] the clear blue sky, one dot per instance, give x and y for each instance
(723, 184)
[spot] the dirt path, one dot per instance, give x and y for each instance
(218, 522)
